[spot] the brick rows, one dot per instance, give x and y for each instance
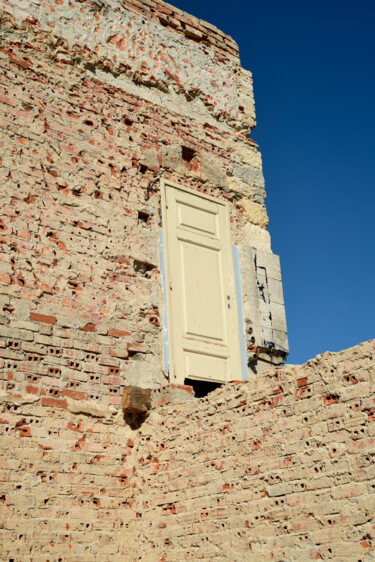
(231, 475)
(191, 27)
(145, 54)
(280, 467)
(241, 474)
(80, 213)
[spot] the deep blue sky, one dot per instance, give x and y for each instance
(313, 65)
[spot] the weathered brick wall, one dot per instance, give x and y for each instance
(98, 101)
(146, 43)
(86, 131)
(277, 468)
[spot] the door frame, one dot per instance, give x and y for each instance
(167, 293)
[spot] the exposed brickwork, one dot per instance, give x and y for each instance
(80, 164)
(173, 50)
(98, 101)
(278, 468)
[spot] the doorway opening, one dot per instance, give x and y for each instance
(202, 388)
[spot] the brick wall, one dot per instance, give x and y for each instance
(148, 44)
(280, 467)
(83, 144)
(97, 103)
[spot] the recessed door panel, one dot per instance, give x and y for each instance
(206, 367)
(197, 219)
(202, 307)
(201, 273)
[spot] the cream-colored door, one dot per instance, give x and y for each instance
(202, 309)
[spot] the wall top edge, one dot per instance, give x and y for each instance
(149, 43)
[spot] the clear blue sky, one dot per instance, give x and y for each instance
(313, 65)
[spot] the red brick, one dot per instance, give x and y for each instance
(24, 431)
(5, 278)
(54, 403)
(331, 399)
(75, 426)
(43, 318)
(75, 394)
(88, 328)
(118, 333)
(31, 389)
(185, 387)
(23, 62)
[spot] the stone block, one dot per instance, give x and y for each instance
(270, 262)
(136, 400)
(278, 316)
(281, 340)
(255, 213)
(275, 289)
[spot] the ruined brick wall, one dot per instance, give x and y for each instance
(278, 469)
(98, 101)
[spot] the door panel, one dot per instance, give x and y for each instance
(206, 367)
(202, 292)
(202, 307)
(197, 219)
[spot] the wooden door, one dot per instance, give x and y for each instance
(201, 299)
